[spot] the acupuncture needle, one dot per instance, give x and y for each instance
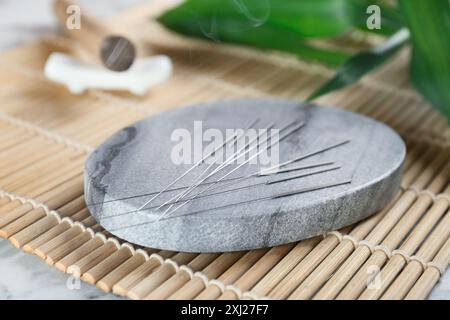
(230, 159)
(230, 172)
(201, 175)
(199, 179)
(304, 156)
(259, 172)
(277, 196)
(296, 159)
(238, 154)
(303, 175)
(233, 137)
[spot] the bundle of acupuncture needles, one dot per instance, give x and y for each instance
(179, 200)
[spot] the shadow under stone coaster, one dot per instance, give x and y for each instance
(137, 162)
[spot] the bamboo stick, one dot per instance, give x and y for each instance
(246, 73)
(28, 159)
(426, 126)
(61, 251)
(385, 111)
(35, 170)
(367, 102)
(8, 131)
(353, 263)
(94, 257)
(207, 63)
(121, 288)
(46, 237)
(173, 283)
(159, 275)
(78, 254)
(4, 201)
(100, 270)
(357, 285)
(409, 120)
(114, 122)
(71, 208)
(32, 231)
(440, 164)
(89, 222)
(53, 178)
(397, 262)
(232, 274)
(413, 153)
(408, 277)
(81, 215)
(108, 281)
(24, 215)
(92, 112)
(288, 284)
(61, 193)
(418, 166)
(96, 228)
(18, 138)
(258, 270)
(397, 111)
(17, 212)
(431, 275)
(285, 266)
(67, 235)
(323, 272)
(22, 222)
(22, 149)
(194, 286)
(332, 287)
(440, 181)
(9, 206)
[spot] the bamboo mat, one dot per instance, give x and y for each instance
(46, 134)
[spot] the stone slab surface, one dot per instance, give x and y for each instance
(137, 160)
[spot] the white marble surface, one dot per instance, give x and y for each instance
(24, 276)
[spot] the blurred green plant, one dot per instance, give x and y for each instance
(290, 25)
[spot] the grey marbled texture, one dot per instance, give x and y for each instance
(137, 160)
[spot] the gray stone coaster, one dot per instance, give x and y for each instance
(135, 163)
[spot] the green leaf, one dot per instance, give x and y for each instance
(236, 29)
(361, 63)
(283, 25)
(429, 24)
(307, 18)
